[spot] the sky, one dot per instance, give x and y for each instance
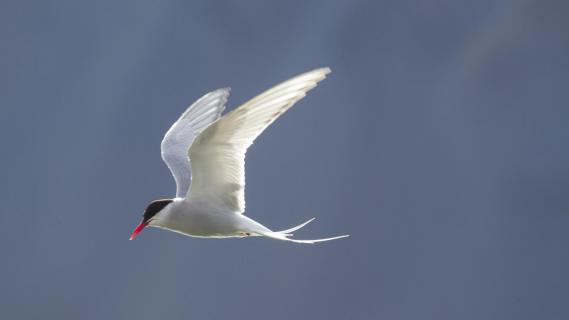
(439, 142)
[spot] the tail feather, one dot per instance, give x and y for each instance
(285, 235)
(288, 232)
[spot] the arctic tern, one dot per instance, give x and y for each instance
(205, 153)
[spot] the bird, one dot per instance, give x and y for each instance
(205, 152)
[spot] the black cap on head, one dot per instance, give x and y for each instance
(154, 207)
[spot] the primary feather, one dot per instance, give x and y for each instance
(192, 122)
(218, 153)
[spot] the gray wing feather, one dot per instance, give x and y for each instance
(180, 136)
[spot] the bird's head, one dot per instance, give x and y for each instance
(150, 213)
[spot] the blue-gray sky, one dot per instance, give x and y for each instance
(439, 142)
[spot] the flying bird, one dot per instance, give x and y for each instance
(205, 153)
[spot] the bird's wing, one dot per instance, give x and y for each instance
(218, 153)
(192, 122)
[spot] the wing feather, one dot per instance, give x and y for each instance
(218, 153)
(192, 122)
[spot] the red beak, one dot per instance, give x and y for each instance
(138, 229)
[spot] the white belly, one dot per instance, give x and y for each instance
(199, 220)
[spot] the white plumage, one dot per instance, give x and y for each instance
(180, 136)
(209, 152)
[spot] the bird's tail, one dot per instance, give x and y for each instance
(285, 235)
(288, 232)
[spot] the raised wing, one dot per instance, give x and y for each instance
(218, 153)
(182, 133)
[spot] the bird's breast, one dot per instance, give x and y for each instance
(201, 221)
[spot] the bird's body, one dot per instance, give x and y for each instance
(203, 220)
(206, 155)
